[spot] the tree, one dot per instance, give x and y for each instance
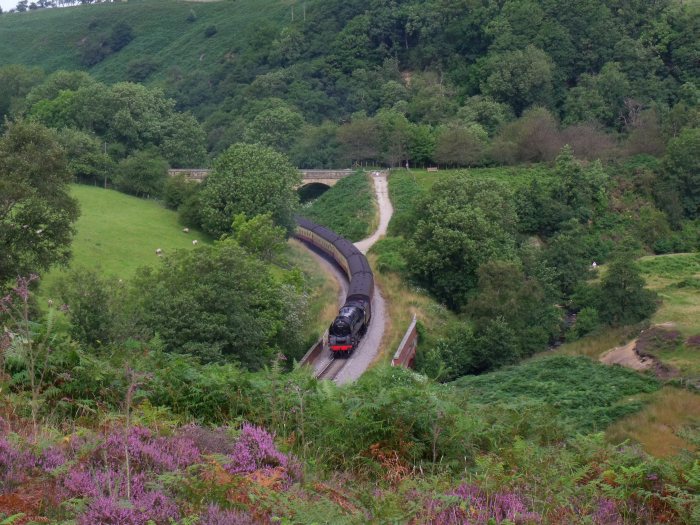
(623, 298)
(142, 174)
(275, 127)
(359, 138)
(36, 210)
(521, 302)
(88, 162)
(259, 236)
(463, 224)
(460, 146)
(250, 179)
(219, 303)
(681, 170)
(520, 78)
(15, 82)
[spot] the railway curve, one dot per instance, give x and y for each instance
(343, 370)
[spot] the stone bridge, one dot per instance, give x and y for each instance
(326, 177)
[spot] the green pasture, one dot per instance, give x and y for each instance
(117, 233)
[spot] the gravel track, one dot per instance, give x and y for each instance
(355, 365)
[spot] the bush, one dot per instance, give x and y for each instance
(178, 190)
(142, 174)
(210, 31)
(390, 256)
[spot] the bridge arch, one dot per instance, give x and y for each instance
(311, 190)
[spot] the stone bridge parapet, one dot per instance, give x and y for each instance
(327, 177)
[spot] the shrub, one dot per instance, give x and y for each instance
(210, 31)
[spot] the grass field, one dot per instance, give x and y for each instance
(676, 278)
(118, 233)
(51, 38)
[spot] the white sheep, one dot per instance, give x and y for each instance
(186, 230)
(195, 242)
(159, 252)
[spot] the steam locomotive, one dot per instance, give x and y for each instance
(353, 318)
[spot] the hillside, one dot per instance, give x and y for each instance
(162, 32)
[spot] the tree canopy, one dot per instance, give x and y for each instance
(249, 179)
(36, 210)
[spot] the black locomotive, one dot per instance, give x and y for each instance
(353, 318)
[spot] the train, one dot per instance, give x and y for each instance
(352, 321)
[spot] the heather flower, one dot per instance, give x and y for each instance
(208, 441)
(51, 459)
(478, 508)
(14, 464)
(152, 506)
(147, 452)
(606, 513)
(255, 449)
(214, 515)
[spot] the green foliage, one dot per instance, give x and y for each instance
(682, 171)
(92, 306)
(623, 297)
(587, 320)
(36, 210)
(142, 174)
(259, 236)
(347, 208)
(128, 116)
(249, 179)
(462, 224)
(178, 190)
(521, 302)
(592, 396)
(220, 303)
(390, 256)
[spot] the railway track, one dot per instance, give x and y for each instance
(332, 369)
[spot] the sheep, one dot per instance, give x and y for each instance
(186, 230)
(159, 252)
(195, 242)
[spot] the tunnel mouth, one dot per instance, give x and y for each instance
(312, 191)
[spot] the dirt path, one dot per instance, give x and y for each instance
(386, 210)
(370, 344)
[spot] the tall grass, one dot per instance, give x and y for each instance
(662, 426)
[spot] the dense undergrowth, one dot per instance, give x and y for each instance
(167, 439)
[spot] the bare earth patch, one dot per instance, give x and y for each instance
(627, 356)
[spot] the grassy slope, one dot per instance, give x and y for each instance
(50, 38)
(348, 208)
(661, 427)
(118, 233)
